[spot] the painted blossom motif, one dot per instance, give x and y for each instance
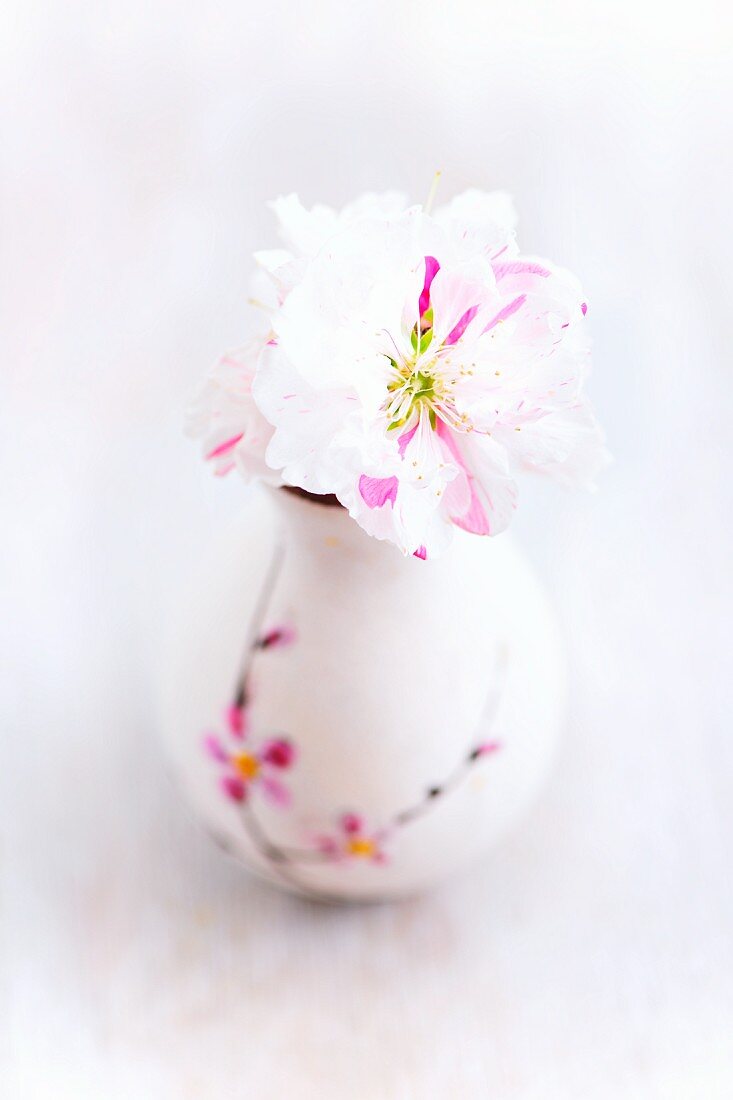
(276, 637)
(247, 768)
(353, 841)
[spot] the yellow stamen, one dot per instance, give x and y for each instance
(432, 192)
(361, 847)
(246, 765)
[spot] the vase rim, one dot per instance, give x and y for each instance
(328, 500)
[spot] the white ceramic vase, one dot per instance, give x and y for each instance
(350, 723)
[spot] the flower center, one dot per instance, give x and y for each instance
(415, 386)
(246, 765)
(361, 847)
(425, 384)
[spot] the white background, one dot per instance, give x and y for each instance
(591, 956)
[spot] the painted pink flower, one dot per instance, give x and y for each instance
(353, 841)
(276, 637)
(236, 718)
(245, 769)
(486, 748)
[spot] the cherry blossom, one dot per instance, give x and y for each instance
(412, 365)
(416, 367)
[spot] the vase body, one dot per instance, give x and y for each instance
(350, 723)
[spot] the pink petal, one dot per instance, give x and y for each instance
(237, 720)
(351, 823)
(457, 332)
(474, 519)
(277, 636)
(227, 445)
(233, 788)
(431, 269)
(520, 267)
(275, 791)
(376, 491)
(487, 748)
(279, 752)
(507, 311)
(215, 749)
(328, 845)
(454, 300)
(405, 439)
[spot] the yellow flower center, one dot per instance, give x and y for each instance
(246, 765)
(361, 847)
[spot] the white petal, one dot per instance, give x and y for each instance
(304, 231)
(567, 444)
(307, 231)
(310, 443)
(226, 418)
(480, 221)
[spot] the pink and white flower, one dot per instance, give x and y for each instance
(235, 434)
(304, 232)
(415, 364)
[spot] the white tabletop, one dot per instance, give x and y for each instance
(591, 956)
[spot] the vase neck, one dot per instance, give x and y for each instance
(318, 528)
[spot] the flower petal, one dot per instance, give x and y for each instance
(567, 443)
(277, 636)
(506, 312)
(215, 749)
(225, 416)
(455, 299)
(352, 823)
(431, 269)
(457, 332)
(480, 222)
(492, 493)
(233, 788)
(279, 752)
(237, 720)
(275, 791)
(377, 491)
(486, 749)
(521, 267)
